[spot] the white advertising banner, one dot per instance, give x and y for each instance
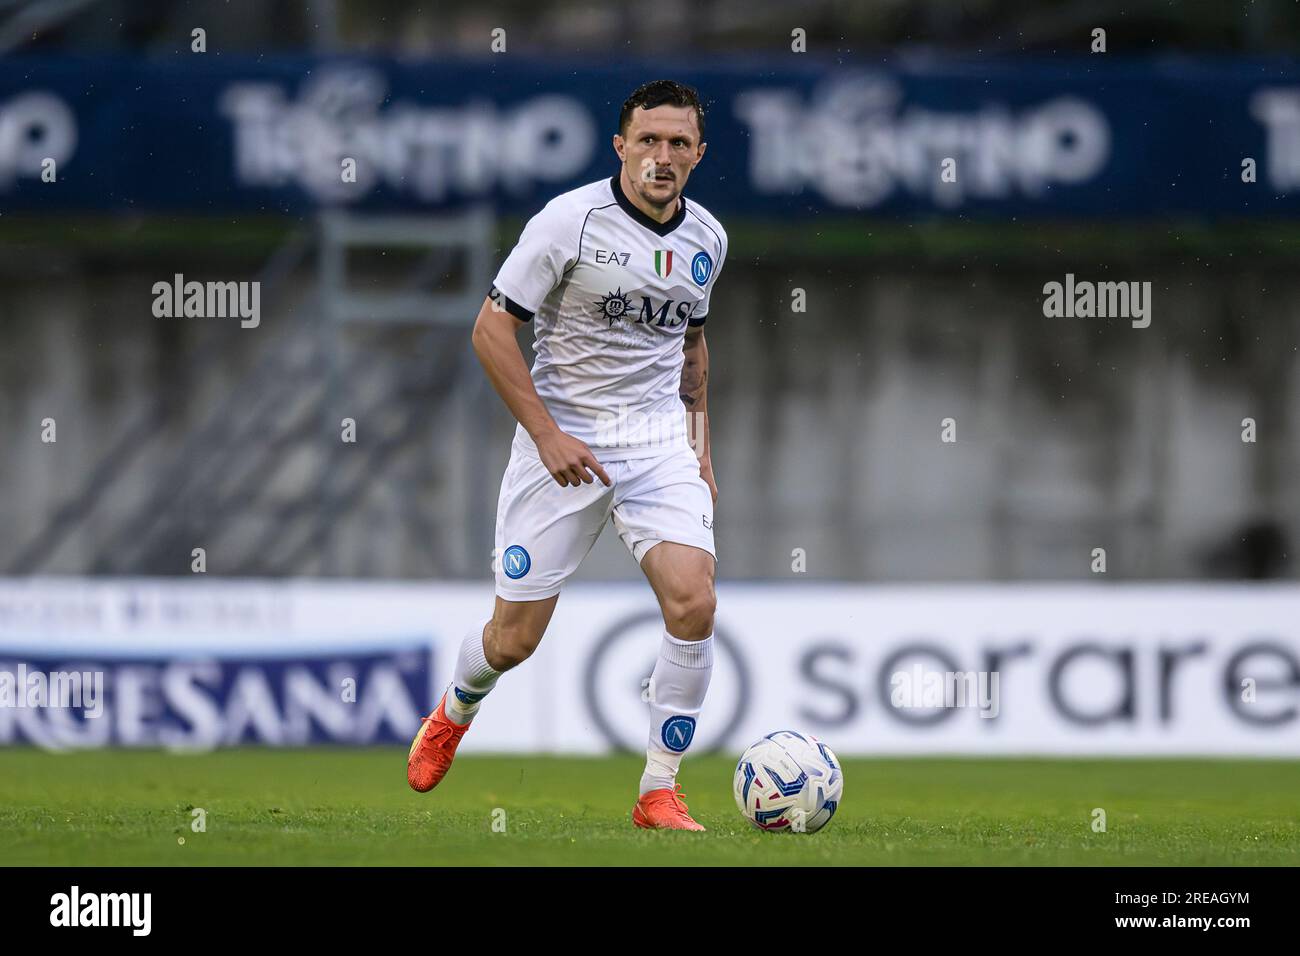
(987, 669)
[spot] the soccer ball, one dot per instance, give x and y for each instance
(788, 781)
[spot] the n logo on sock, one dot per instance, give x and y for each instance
(677, 732)
(465, 698)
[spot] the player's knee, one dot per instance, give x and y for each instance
(509, 644)
(690, 615)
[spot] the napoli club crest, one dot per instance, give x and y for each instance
(701, 268)
(677, 732)
(515, 562)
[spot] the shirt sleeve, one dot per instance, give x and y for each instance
(535, 266)
(702, 310)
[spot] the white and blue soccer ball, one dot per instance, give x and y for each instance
(789, 781)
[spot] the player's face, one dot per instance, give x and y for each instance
(661, 148)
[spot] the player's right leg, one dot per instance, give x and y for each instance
(488, 651)
(543, 532)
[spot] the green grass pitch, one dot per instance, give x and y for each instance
(328, 806)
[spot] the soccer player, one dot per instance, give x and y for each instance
(615, 278)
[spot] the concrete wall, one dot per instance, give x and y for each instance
(1072, 434)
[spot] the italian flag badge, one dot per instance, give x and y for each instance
(663, 262)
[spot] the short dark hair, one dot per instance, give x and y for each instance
(661, 93)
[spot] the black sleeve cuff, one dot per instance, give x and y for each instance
(696, 321)
(510, 305)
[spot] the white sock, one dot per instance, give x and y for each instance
(473, 679)
(677, 688)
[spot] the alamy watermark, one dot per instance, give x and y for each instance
(133, 911)
(78, 690)
(1084, 299)
(208, 300)
(629, 428)
(921, 688)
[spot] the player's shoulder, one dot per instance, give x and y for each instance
(708, 222)
(570, 209)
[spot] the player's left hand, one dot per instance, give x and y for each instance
(706, 472)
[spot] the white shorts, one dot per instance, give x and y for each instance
(544, 530)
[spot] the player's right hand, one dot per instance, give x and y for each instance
(569, 460)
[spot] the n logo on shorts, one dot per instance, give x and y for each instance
(515, 562)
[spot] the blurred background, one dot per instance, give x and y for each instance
(923, 299)
(865, 300)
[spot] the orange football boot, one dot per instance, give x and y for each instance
(663, 809)
(430, 756)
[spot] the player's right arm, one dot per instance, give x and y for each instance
(496, 344)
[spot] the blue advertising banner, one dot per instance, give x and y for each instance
(188, 702)
(1071, 137)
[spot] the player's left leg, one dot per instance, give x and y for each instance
(665, 518)
(682, 578)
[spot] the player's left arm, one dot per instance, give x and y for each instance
(695, 396)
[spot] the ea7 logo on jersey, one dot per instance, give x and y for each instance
(604, 257)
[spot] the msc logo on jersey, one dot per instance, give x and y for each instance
(515, 562)
(670, 314)
(663, 263)
(677, 733)
(614, 305)
(701, 268)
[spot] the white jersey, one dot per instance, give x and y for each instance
(611, 293)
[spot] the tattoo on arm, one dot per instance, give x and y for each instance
(695, 376)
